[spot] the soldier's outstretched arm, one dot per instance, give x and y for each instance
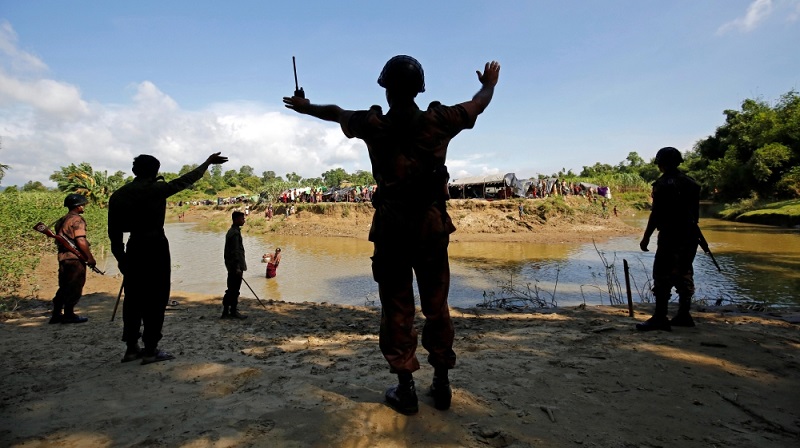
(488, 79)
(329, 112)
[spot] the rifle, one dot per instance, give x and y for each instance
(67, 244)
(298, 91)
(704, 246)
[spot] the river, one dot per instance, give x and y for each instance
(759, 263)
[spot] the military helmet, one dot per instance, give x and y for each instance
(73, 200)
(404, 73)
(669, 157)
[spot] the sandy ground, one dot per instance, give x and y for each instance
(311, 375)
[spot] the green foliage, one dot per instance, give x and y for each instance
(97, 186)
(3, 169)
(22, 246)
(756, 150)
(34, 186)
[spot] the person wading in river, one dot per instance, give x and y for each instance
(410, 229)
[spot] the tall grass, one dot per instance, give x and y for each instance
(23, 247)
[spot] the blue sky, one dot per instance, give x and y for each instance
(581, 81)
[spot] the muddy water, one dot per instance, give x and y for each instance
(758, 262)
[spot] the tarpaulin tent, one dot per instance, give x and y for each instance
(486, 186)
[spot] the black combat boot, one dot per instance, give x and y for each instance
(71, 318)
(57, 315)
(132, 353)
(403, 397)
(659, 321)
(235, 314)
(225, 313)
(683, 318)
(440, 390)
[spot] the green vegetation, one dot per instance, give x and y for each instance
(783, 213)
(756, 153)
(23, 247)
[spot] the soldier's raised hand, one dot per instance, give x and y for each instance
(216, 159)
(296, 103)
(490, 75)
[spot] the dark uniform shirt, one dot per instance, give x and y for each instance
(408, 155)
(676, 205)
(234, 250)
(139, 207)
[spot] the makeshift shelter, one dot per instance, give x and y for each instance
(493, 186)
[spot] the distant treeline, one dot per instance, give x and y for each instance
(755, 154)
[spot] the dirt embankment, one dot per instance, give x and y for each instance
(572, 219)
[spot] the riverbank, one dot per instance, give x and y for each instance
(553, 220)
(304, 375)
(783, 213)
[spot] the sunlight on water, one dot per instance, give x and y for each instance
(758, 262)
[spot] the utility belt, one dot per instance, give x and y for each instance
(415, 193)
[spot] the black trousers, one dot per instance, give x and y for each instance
(147, 289)
(71, 278)
(234, 283)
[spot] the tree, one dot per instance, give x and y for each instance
(293, 178)
(362, 178)
(756, 149)
(3, 168)
(334, 177)
(34, 186)
(187, 168)
(97, 186)
(267, 176)
(231, 178)
(596, 170)
(245, 171)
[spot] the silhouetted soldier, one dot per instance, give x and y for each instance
(235, 264)
(410, 228)
(139, 207)
(675, 213)
(71, 269)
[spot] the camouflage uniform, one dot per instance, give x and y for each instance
(675, 213)
(71, 270)
(410, 228)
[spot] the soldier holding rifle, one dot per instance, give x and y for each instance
(139, 208)
(410, 230)
(675, 213)
(72, 261)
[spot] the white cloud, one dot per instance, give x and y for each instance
(756, 13)
(45, 125)
(19, 60)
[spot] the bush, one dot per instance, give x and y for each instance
(23, 246)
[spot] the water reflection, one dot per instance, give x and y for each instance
(758, 262)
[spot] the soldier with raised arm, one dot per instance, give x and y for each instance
(410, 229)
(138, 208)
